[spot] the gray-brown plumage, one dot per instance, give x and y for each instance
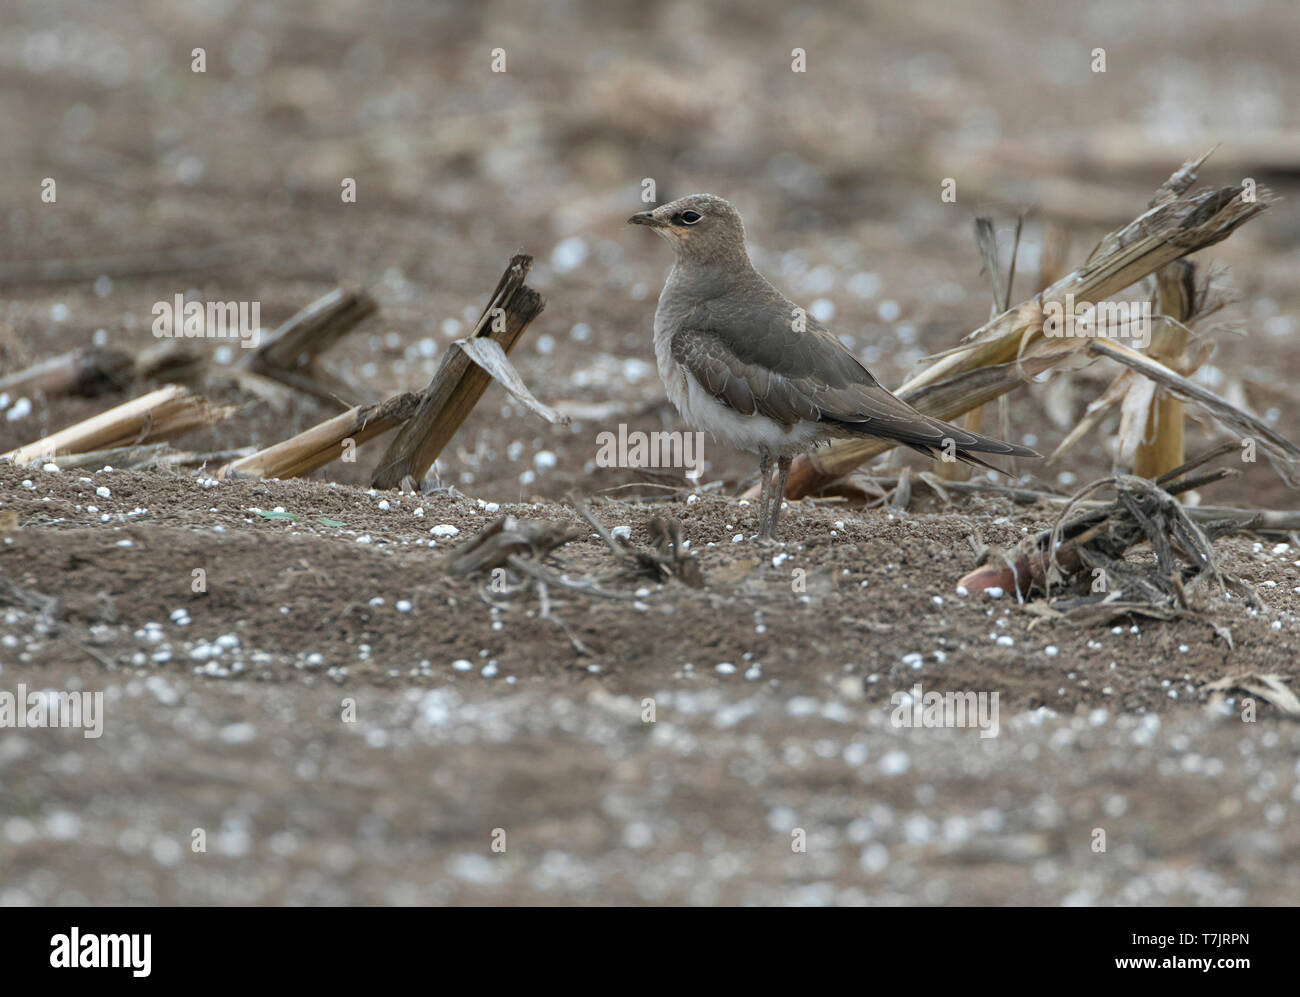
(741, 361)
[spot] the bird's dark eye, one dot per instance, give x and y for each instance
(690, 217)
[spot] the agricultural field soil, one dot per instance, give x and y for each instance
(302, 706)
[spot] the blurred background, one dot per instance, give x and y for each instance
(837, 171)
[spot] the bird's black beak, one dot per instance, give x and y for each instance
(645, 218)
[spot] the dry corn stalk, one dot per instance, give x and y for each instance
(1086, 550)
(159, 415)
(92, 370)
(87, 371)
(459, 381)
(151, 455)
(1161, 445)
(1176, 225)
(324, 442)
(986, 243)
(1252, 433)
(1275, 523)
(290, 354)
(1149, 439)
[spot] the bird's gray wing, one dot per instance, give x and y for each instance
(754, 360)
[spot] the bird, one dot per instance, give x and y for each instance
(741, 361)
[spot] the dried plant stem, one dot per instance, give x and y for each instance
(1177, 224)
(290, 353)
(324, 442)
(1161, 445)
(459, 382)
(160, 415)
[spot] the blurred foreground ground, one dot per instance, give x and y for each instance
(231, 721)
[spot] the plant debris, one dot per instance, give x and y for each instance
(1270, 688)
(1080, 564)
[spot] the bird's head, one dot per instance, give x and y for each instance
(702, 228)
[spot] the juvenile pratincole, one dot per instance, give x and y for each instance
(743, 363)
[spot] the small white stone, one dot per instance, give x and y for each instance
(240, 733)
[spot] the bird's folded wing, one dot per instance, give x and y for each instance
(788, 375)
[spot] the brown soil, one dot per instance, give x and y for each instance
(771, 686)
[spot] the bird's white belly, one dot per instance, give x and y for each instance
(751, 433)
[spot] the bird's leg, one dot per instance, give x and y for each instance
(782, 475)
(765, 492)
